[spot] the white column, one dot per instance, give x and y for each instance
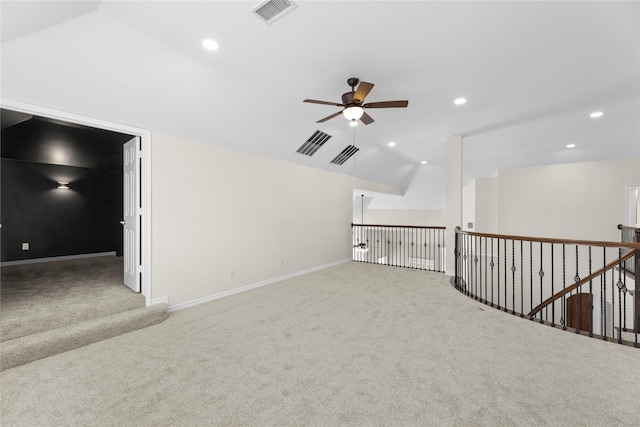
(454, 197)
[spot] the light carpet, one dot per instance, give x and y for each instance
(51, 307)
(356, 344)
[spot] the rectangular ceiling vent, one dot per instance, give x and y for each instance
(272, 10)
(345, 155)
(314, 143)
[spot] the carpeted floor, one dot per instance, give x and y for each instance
(357, 344)
(43, 296)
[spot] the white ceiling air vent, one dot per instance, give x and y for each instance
(314, 143)
(272, 10)
(345, 155)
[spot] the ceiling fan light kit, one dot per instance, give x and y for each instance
(353, 113)
(353, 103)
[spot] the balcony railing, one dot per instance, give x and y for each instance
(577, 285)
(400, 246)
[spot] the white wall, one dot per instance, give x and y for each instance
(480, 206)
(575, 200)
(216, 209)
(486, 208)
(423, 217)
(469, 207)
(426, 191)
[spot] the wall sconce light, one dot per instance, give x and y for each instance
(63, 184)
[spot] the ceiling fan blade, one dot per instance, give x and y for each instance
(387, 104)
(314, 101)
(362, 92)
(329, 117)
(366, 119)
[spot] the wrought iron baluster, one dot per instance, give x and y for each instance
(505, 276)
(498, 275)
(403, 247)
(615, 285)
(396, 248)
(513, 277)
(475, 261)
(578, 297)
(378, 244)
(388, 240)
(472, 284)
(466, 265)
(636, 303)
(541, 274)
(590, 296)
(455, 259)
(441, 244)
(483, 296)
(564, 287)
(620, 286)
(423, 264)
(521, 280)
(621, 290)
(624, 304)
(405, 262)
(486, 295)
(603, 292)
(531, 278)
(492, 264)
(553, 304)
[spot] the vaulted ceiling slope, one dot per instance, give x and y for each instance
(531, 72)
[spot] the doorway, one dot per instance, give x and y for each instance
(141, 189)
(633, 205)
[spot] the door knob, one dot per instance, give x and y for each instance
(123, 222)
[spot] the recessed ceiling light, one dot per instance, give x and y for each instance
(210, 44)
(571, 145)
(391, 144)
(460, 101)
(424, 162)
(596, 114)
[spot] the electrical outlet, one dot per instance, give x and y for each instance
(231, 273)
(25, 246)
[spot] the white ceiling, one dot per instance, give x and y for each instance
(531, 71)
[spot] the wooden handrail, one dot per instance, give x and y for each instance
(629, 245)
(627, 227)
(436, 227)
(593, 275)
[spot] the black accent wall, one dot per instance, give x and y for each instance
(83, 219)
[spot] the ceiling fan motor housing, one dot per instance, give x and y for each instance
(347, 99)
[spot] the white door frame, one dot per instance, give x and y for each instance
(627, 204)
(145, 177)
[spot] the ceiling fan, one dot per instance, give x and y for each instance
(353, 103)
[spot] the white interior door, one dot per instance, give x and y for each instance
(131, 217)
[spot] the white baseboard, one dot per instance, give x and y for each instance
(249, 287)
(161, 300)
(55, 258)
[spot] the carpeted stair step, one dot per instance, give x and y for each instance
(30, 348)
(73, 311)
